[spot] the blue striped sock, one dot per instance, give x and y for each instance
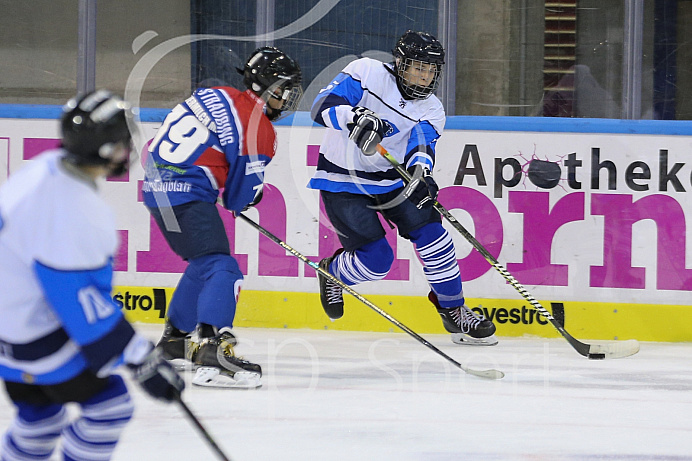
(436, 249)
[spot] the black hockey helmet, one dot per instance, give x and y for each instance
(420, 50)
(95, 131)
(271, 73)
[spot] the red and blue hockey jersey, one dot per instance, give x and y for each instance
(218, 138)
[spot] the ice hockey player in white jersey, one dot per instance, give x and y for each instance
(368, 103)
(61, 334)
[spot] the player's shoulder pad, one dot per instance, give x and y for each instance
(229, 90)
(81, 227)
(362, 68)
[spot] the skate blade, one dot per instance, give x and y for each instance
(466, 340)
(214, 377)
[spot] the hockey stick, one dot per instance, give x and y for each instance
(201, 429)
(489, 374)
(592, 351)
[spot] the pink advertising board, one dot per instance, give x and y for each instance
(573, 216)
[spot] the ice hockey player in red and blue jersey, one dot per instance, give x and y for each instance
(219, 139)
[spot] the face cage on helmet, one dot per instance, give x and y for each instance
(290, 95)
(403, 64)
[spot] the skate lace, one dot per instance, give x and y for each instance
(334, 293)
(225, 350)
(191, 349)
(466, 319)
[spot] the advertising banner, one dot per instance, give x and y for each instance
(594, 225)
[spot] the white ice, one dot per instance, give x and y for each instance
(330, 395)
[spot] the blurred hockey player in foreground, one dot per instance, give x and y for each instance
(369, 103)
(61, 334)
(218, 138)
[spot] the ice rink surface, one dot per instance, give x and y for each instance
(330, 395)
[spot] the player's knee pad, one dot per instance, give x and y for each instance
(206, 266)
(40, 413)
(427, 234)
(368, 263)
(377, 256)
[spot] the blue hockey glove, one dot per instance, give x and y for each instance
(366, 130)
(422, 189)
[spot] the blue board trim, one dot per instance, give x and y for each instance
(456, 122)
(569, 125)
(54, 112)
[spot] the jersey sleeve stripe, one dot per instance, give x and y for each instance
(333, 118)
(420, 158)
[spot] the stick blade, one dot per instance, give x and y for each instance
(487, 374)
(613, 350)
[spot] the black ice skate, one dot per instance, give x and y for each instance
(178, 347)
(218, 366)
(331, 294)
(466, 326)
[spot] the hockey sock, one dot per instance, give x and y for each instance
(182, 310)
(369, 262)
(104, 416)
(34, 432)
(436, 249)
(217, 300)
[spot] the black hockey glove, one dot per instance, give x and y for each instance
(367, 130)
(422, 190)
(158, 378)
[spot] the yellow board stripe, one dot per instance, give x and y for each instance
(514, 317)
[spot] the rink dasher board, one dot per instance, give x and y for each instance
(607, 237)
(513, 317)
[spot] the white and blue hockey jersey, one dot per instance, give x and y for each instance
(57, 240)
(412, 130)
